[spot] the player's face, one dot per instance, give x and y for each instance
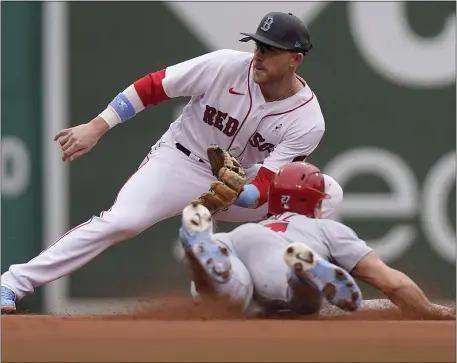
(271, 64)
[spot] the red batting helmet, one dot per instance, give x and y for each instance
(297, 187)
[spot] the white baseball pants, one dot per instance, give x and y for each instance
(143, 201)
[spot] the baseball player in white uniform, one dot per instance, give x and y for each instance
(251, 104)
(293, 259)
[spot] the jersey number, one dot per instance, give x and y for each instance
(277, 226)
(280, 226)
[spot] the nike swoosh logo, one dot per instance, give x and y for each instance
(233, 92)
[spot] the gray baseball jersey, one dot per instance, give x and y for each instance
(332, 240)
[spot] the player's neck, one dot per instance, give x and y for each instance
(282, 89)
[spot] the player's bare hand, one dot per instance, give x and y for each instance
(447, 313)
(79, 140)
(439, 312)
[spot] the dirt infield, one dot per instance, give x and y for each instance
(183, 333)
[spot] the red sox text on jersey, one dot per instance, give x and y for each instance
(217, 119)
(235, 114)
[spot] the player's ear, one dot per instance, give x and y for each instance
(297, 60)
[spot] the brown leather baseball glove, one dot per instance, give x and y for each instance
(231, 180)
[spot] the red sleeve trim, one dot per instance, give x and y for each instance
(262, 182)
(150, 88)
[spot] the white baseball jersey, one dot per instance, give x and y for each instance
(227, 108)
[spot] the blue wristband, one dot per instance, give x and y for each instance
(123, 107)
(248, 197)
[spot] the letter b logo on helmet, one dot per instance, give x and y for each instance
(267, 23)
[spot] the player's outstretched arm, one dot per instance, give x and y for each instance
(185, 79)
(400, 289)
